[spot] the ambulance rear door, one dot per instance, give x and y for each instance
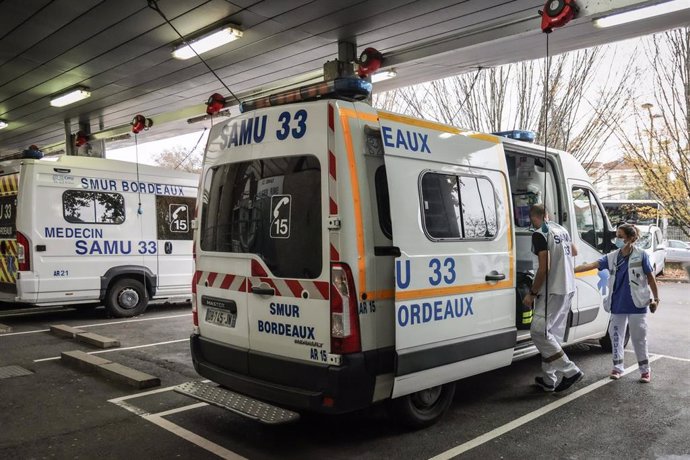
(263, 238)
(454, 279)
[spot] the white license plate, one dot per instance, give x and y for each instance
(220, 317)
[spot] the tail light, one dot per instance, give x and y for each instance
(345, 334)
(195, 314)
(23, 253)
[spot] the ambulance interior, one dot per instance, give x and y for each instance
(528, 177)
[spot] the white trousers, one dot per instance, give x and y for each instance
(547, 330)
(638, 334)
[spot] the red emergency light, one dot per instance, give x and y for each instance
(81, 139)
(215, 103)
(369, 62)
(557, 13)
(140, 123)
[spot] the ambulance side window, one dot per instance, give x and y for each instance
(81, 207)
(269, 207)
(383, 202)
(458, 207)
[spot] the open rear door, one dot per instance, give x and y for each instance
(454, 279)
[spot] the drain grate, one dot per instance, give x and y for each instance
(13, 371)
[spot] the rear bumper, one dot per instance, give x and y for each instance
(290, 383)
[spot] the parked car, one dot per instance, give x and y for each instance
(652, 241)
(678, 251)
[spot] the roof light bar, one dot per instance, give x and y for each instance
(343, 88)
(3, 124)
(70, 97)
(207, 42)
(382, 76)
(518, 135)
(642, 13)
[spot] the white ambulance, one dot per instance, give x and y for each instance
(79, 230)
(346, 256)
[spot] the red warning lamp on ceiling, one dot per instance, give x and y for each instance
(140, 123)
(557, 13)
(369, 62)
(215, 104)
(81, 139)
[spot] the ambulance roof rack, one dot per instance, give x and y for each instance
(348, 88)
(518, 135)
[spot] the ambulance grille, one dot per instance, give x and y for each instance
(235, 402)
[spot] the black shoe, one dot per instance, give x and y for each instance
(567, 382)
(544, 386)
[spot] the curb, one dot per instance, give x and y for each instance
(109, 369)
(63, 330)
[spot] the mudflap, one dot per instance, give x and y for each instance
(237, 403)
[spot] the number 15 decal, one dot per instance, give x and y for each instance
(281, 209)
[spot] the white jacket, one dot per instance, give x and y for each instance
(639, 287)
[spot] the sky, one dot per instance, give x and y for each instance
(624, 50)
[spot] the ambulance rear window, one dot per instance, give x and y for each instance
(269, 207)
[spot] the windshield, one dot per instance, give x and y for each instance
(645, 241)
(271, 208)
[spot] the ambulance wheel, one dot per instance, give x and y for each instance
(605, 341)
(125, 298)
(422, 408)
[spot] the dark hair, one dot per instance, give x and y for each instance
(630, 230)
(537, 210)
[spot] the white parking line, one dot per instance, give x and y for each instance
(175, 429)
(204, 443)
(500, 431)
(146, 393)
(53, 358)
(102, 324)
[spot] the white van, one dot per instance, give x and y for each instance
(82, 230)
(346, 256)
(653, 243)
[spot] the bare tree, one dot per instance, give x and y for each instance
(661, 153)
(180, 158)
(578, 118)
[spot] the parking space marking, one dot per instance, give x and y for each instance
(110, 350)
(102, 324)
(676, 358)
(500, 431)
(175, 429)
(187, 435)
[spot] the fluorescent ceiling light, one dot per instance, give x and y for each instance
(207, 42)
(642, 13)
(70, 97)
(385, 75)
(3, 124)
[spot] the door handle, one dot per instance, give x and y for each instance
(495, 276)
(263, 290)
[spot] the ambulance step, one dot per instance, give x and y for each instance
(235, 402)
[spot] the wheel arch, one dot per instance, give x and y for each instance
(129, 271)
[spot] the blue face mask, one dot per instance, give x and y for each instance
(620, 243)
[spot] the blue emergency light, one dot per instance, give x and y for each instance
(341, 88)
(518, 135)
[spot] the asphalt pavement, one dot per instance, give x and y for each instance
(60, 412)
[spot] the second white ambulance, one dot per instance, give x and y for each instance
(347, 255)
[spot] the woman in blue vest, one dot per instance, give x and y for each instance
(631, 288)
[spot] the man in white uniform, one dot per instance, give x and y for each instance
(552, 293)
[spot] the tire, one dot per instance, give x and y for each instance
(126, 297)
(605, 341)
(422, 408)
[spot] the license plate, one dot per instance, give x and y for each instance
(220, 317)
